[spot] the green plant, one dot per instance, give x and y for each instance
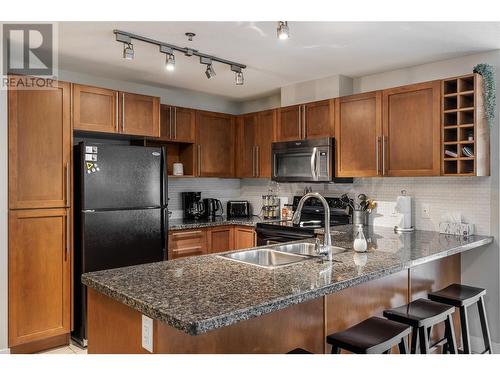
(489, 94)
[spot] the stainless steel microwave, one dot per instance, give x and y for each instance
(304, 161)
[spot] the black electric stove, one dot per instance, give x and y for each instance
(312, 218)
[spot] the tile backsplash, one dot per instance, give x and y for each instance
(469, 196)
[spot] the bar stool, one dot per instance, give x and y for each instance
(372, 336)
(463, 296)
(422, 315)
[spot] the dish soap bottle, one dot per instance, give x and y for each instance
(360, 244)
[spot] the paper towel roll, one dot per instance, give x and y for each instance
(403, 207)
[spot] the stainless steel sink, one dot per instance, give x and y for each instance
(267, 258)
(305, 248)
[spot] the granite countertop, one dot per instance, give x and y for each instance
(178, 224)
(203, 293)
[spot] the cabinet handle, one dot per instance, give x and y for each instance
(300, 124)
(199, 160)
(170, 134)
(68, 184)
(304, 124)
(123, 112)
(377, 146)
(68, 235)
(253, 161)
(175, 122)
(384, 140)
(116, 112)
(257, 161)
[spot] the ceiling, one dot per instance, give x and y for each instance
(314, 50)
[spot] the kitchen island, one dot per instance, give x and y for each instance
(210, 304)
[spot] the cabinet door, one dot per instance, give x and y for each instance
(358, 135)
(244, 237)
(411, 126)
(215, 137)
(289, 124)
(186, 243)
(95, 109)
(140, 115)
(220, 239)
(318, 119)
(184, 124)
(166, 121)
(246, 150)
(39, 275)
(264, 135)
(39, 147)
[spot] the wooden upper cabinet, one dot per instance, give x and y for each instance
(358, 135)
(318, 119)
(178, 124)
(215, 144)
(289, 125)
(140, 115)
(245, 155)
(39, 275)
(264, 136)
(95, 109)
(411, 130)
(39, 147)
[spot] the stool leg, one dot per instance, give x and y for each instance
(424, 340)
(414, 340)
(403, 348)
(484, 325)
(464, 323)
(335, 349)
(450, 335)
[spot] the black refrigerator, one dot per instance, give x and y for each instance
(121, 216)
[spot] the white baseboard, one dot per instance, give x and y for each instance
(477, 345)
(5, 351)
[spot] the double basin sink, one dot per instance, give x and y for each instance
(279, 255)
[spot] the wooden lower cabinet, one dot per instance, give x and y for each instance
(184, 243)
(244, 237)
(39, 275)
(220, 239)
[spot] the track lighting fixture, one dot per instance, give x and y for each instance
(168, 49)
(128, 51)
(283, 31)
(238, 75)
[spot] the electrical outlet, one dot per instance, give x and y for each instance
(426, 211)
(147, 333)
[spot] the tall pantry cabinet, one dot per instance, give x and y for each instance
(40, 232)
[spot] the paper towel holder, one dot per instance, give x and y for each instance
(397, 228)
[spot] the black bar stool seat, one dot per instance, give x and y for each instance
(463, 296)
(422, 315)
(299, 351)
(372, 336)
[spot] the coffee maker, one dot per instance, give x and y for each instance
(192, 205)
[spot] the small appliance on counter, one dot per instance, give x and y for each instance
(192, 205)
(238, 209)
(213, 208)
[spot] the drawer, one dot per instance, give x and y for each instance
(185, 243)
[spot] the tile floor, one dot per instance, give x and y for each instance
(68, 349)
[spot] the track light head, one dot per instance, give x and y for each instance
(238, 74)
(282, 30)
(128, 51)
(210, 72)
(170, 63)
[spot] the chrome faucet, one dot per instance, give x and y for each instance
(326, 249)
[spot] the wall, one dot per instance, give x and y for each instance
(175, 96)
(261, 104)
(318, 89)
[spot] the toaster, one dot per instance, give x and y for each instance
(238, 209)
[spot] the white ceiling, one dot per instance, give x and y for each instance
(314, 50)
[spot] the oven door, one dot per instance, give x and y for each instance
(302, 161)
